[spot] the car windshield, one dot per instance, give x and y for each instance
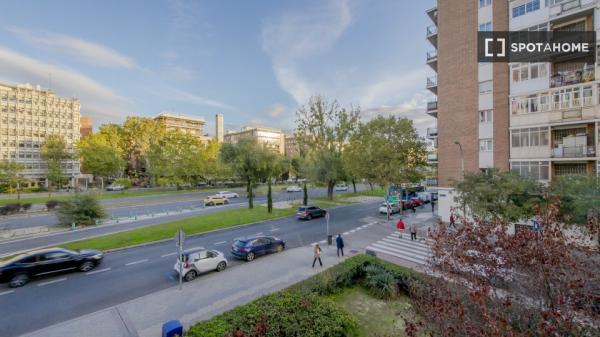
(301, 209)
(240, 243)
(12, 260)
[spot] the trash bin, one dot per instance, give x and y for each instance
(329, 239)
(172, 328)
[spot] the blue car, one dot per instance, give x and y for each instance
(249, 248)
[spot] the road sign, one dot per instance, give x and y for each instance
(179, 238)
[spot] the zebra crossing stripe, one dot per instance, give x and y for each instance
(409, 250)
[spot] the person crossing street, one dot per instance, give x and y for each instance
(400, 227)
(317, 254)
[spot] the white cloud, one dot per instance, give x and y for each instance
(97, 100)
(275, 111)
(391, 88)
(184, 96)
(86, 51)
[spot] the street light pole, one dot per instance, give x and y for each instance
(462, 158)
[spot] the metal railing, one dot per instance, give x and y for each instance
(432, 132)
(577, 151)
(586, 74)
(432, 82)
(431, 55)
(432, 30)
(433, 105)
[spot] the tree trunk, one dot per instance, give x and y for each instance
(330, 185)
(101, 184)
(269, 198)
(371, 185)
(250, 195)
(354, 185)
(305, 199)
(18, 191)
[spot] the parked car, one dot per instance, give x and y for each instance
(228, 195)
(309, 212)
(394, 208)
(416, 201)
(294, 188)
(249, 248)
(424, 196)
(201, 184)
(115, 187)
(197, 261)
(19, 270)
(341, 187)
(215, 200)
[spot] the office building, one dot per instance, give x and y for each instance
(185, 124)
(85, 128)
(27, 116)
(219, 127)
(291, 146)
(273, 139)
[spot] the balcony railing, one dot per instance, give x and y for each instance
(432, 132)
(431, 55)
(586, 74)
(578, 151)
(560, 7)
(432, 157)
(432, 82)
(432, 30)
(433, 105)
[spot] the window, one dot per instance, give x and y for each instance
(485, 145)
(485, 87)
(537, 170)
(526, 8)
(485, 116)
(529, 137)
(485, 27)
(484, 3)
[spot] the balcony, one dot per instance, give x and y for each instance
(432, 59)
(562, 8)
(432, 109)
(432, 32)
(577, 151)
(432, 13)
(432, 133)
(432, 157)
(562, 78)
(432, 85)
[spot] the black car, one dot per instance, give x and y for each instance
(309, 212)
(20, 269)
(249, 248)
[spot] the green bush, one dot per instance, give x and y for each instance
(380, 282)
(286, 313)
(83, 210)
(125, 182)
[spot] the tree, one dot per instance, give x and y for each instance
(10, 175)
(54, 152)
(82, 210)
(498, 196)
(138, 134)
(175, 158)
(579, 198)
(322, 129)
(305, 195)
(272, 166)
(100, 157)
(386, 150)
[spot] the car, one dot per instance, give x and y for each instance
(309, 212)
(416, 202)
(294, 188)
(214, 200)
(341, 187)
(249, 248)
(394, 208)
(116, 187)
(19, 270)
(228, 195)
(197, 261)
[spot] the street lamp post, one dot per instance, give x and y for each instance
(462, 157)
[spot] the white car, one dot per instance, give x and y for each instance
(198, 261)
(394, 208)
(341, 187)
(294, 188)
(115, 187)
(227, 194)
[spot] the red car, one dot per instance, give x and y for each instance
(416, 202)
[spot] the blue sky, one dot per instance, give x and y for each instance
(254, 61)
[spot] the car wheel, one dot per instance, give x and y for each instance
(279, 249)
(225, 202)
(309, 217)
(221, 266)
(250, 257)
(86, 266)
(191, 275)
(210, 204)
(19, 280)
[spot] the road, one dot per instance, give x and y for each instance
(131, 273)
(125, 207)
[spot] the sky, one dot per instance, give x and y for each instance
(255, 61)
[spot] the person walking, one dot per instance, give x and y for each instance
(432, 206)
(400, 227)
(452, 219)
(339, 242)
(413, 208)
(317, 252)
(413, 232)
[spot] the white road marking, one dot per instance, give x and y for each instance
(314, 243)
(258, 234)
(220, 242)
(346, 233)
(352, 231)
(358, 228)
(136, 262)
(274, 230)
(7, 292)
(97, 271)
(51, 282)
(322, 241)
(170, 254)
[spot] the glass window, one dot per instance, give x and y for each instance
(483, 3)
(534, 136)
(516, 138)
(516, 73)
(534, 71)
(524, 73)
(524, 138)
(485, 87)
(485, 27)
(485, 145)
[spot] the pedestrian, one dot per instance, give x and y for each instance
(413, 207)
(400, 227)
(413, 232)
(317, 252)
(339, 242)
(452, 219)
(432, 206)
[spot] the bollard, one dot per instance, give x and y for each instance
(97, 222)
(73, 226)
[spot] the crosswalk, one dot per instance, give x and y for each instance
(403, 248)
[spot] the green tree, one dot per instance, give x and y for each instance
(273, 166)
(54, 152)
(10, 174)
(83, 210)
(100, 157)
(305, 195)
(579, 198)
(175, 158)
(138, 135)
(499, 197)
(322, 129)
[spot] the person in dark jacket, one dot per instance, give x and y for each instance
(339, 242)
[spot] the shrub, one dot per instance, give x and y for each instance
(13, 208)
(3, 210)
(380, 282)
(52, 204)
(26, 207)
(123, 181)
(82, 210)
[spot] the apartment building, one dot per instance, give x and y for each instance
(273, 139)
(27, 116)
(291, 146)
(471, 104)
(554, 110)
(86, 127)
(185, 124)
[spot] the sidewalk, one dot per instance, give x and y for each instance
(213, 293)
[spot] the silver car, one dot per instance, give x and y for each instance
(394, 208)
(197, 261)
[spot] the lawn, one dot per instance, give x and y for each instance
(376, 317)
(194, 225)
(341, 198)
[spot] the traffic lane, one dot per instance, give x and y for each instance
(132, 273)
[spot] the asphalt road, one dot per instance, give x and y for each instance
(124, 207)
(131, 273)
